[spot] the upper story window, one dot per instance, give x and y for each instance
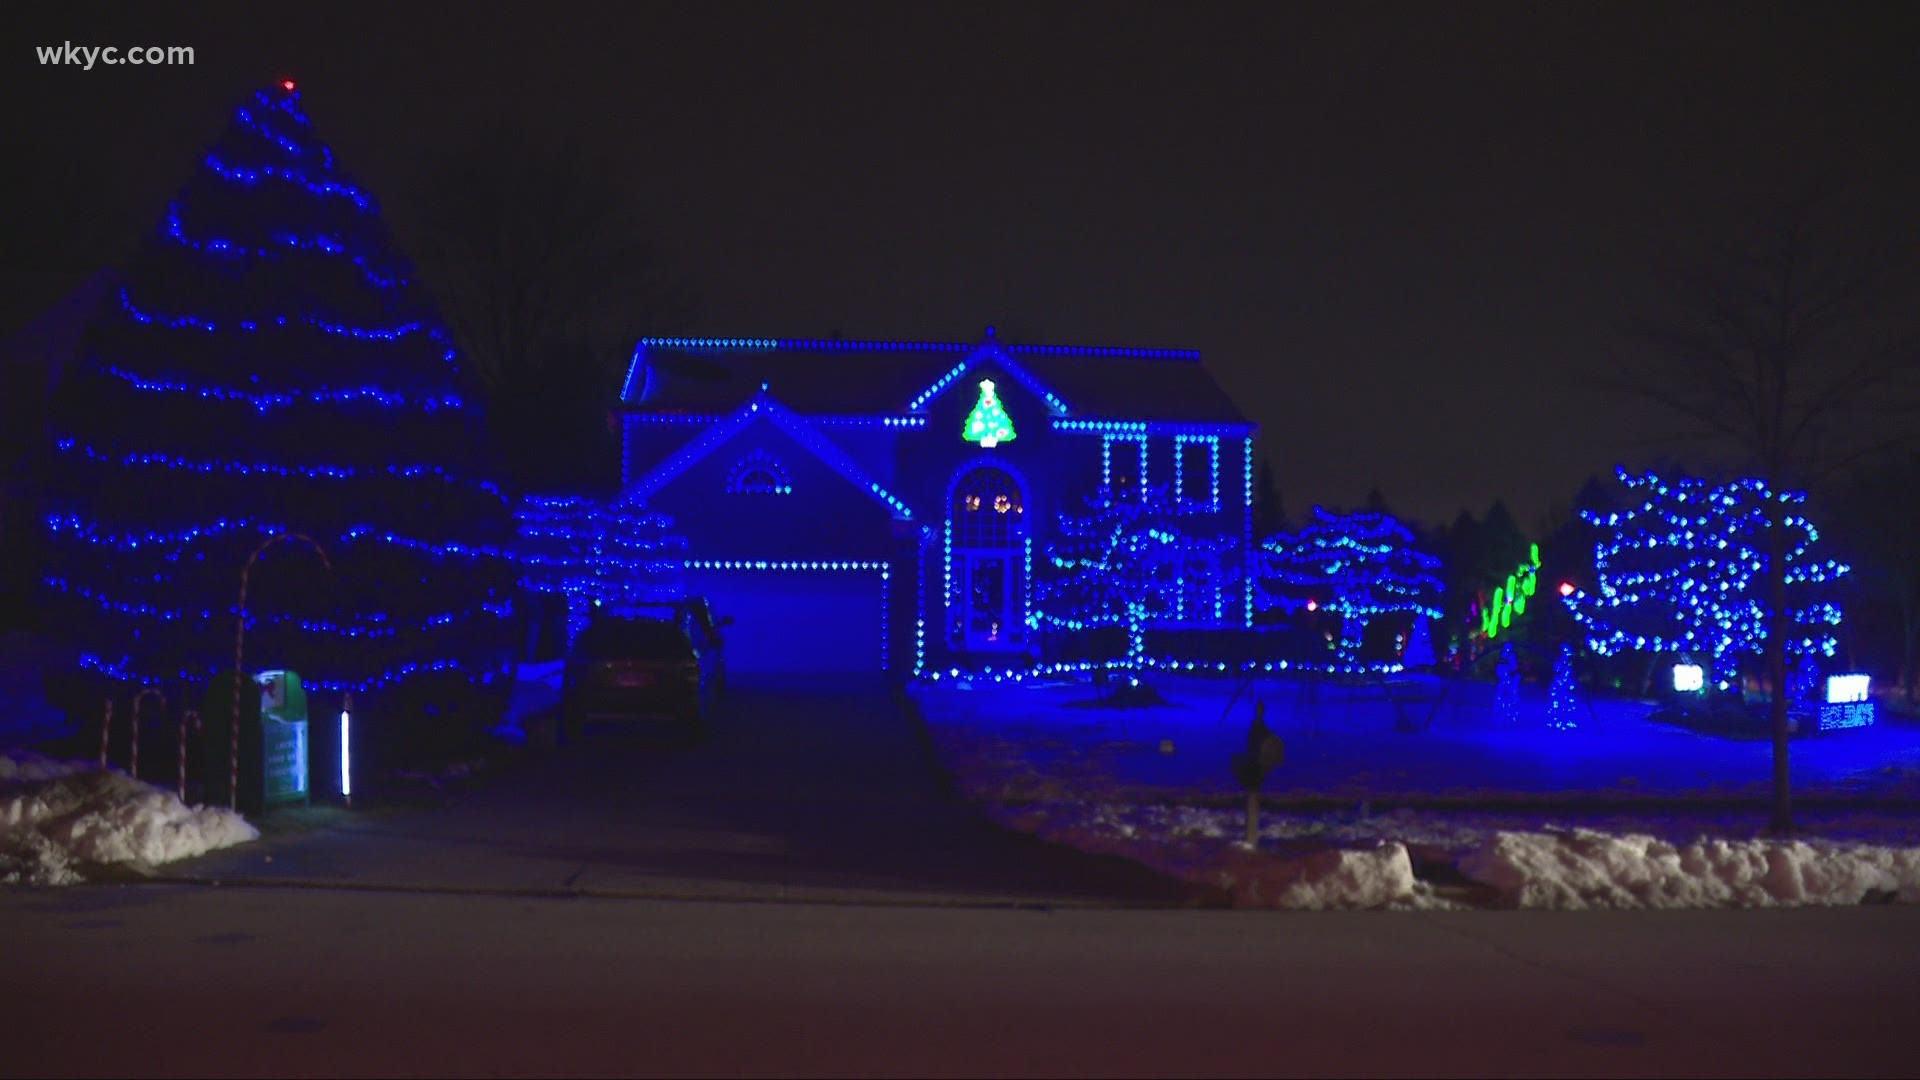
(758, 473)
(1123, 465)
(1196, 461)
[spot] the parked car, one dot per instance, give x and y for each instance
(694, 614)
(629, 668)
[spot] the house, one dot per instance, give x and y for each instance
(866, 507)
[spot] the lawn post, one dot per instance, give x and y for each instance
(133, 758)
(106, 729)
(189, 716)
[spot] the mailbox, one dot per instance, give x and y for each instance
(283, 737)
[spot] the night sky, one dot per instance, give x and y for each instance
(1402, 235)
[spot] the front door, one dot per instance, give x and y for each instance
(986, 592)
(987, 531)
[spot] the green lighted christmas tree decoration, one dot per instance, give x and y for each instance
(988, 424)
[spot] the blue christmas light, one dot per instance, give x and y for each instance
(178, 539)
(172, 228)
(250, 177)
(242, 468)
(266, 402)
(1149, 427)
(376, 624)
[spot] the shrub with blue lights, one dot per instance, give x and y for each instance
(1353, 566)
(270, 367)
(1680, 570)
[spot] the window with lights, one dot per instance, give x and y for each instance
(758, 473)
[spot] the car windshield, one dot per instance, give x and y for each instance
(621, 639)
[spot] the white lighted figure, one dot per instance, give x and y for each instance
(1689, 678)
(1842, 689)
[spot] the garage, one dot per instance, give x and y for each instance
(827, 618)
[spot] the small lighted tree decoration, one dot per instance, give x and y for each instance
(1681, 572)
(1356, 566)
(1563, 697)
(1126, 563)
(988, 424)
(1506, 686)
(1419, 652)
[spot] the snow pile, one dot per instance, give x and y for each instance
(1201, 845)
(1417, 860)
(1335, 878)
(1583, 868)
(61, 818)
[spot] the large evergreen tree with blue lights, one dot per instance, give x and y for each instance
(271, 367)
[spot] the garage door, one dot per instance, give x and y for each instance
(797, 621)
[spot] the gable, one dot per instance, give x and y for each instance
(764, 412)
(990, 355)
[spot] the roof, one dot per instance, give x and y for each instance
(835, 377)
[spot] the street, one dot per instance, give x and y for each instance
(801, 896)
(186, 981)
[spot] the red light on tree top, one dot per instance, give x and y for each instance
(1566, 588)
(287, 85)
(1313, 605)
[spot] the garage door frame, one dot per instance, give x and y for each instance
(820, 566)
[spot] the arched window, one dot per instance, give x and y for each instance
(758, 473)
(987, 561)
(988, 511)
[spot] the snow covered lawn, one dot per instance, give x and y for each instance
(63, 820)
(1012, 742)
(1619, 813)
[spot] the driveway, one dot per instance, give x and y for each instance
(824, 794)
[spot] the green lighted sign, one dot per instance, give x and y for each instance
(988, 424)
(1510, 600)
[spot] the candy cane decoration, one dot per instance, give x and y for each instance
(106, 729)
(239, 644)
(133, 766)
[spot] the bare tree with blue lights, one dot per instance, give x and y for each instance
(1356, 566)
(1126, 562)
(1682, 570)
(1787, 349)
